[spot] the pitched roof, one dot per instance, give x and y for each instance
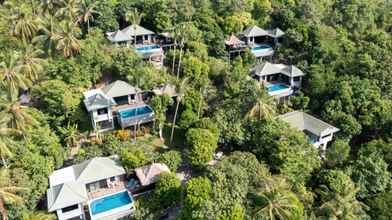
(68, 185)
(267, 68)
(96, 99)
(234, 41)
(166, 89)
(66, 194)
(150, 173)
(96, 169)
(119, 36)
(304, 121)
(254, 31)
(136, 30)
(276, 33)
(119, 88)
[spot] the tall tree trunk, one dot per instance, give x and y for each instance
(4, 162)
(161, 131)
(174, 56)
(179, 62)
(174, 121)
(88, 25)
(2, 210)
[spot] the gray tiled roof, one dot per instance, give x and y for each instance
(119, 88)
(65, 195)
(137, 30)
(119, 36)
(98, 101)
(267, 68)
(304, 121)
(254, 31)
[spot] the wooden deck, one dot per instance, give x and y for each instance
(117, 186)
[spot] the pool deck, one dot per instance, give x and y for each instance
(117, 186)
(125, 106)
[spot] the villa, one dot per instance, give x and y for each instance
(143, 40)
(95, 189)
(259, 41)
(318, 132)
(281, 80)
(117, 101)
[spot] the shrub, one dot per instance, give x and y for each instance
(172, 159)
(168, 189)
(132, 160)
(202, 145)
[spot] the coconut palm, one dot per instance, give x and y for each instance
(278, 202)
(183, 36)
(87, 10)
(181, 89)
(8, 193)
(15, 115)
(5, 142)
(11, 75)
(263, 108)
(135, 18)
(49, 31)
(24, 24)
(66, 40)
(68, 10)
(71, 134)
(31, 62)
(37, 216)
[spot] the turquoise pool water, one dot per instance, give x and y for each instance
(128, 113)
(110, 202)
(276, 87)
(147, 48)
(261, 47)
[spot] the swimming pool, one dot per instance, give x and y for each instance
(148, 48)
(261, 47)
(110, 202)
(133, 112)
(276, 87)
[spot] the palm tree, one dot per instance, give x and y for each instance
(5, 142)
(71, 134)
(182, 34)
(37, 216)
(50, 6)
(181, 89)
(31, 63)
(14, 115)
(135, 18)
(49, 31)
(8, 193)
(278, 201)
(10, 75)
(87, 11)
(263, 108)
(66, 40)
(68, 10)
(24, 24)
(174, 33)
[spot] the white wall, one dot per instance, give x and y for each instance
(71, 214)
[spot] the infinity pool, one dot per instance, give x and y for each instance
(133, 112)
(261, 47)
(276, 87)
(148, 48)
(110, 202)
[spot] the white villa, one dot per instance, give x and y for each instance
(318, 132)
(120, 101)
(259, 41)
(95, 189)
(281, 80)
(143, 40)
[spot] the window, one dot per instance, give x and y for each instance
(70, 208)
(112, 179)
(121, 100)
(326, 136)
(297, 78)
(102, 111)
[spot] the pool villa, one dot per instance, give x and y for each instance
(318, 132)
(258, 40)
(142, 39)
(95, 189)
(279, 79)
(117, 101)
